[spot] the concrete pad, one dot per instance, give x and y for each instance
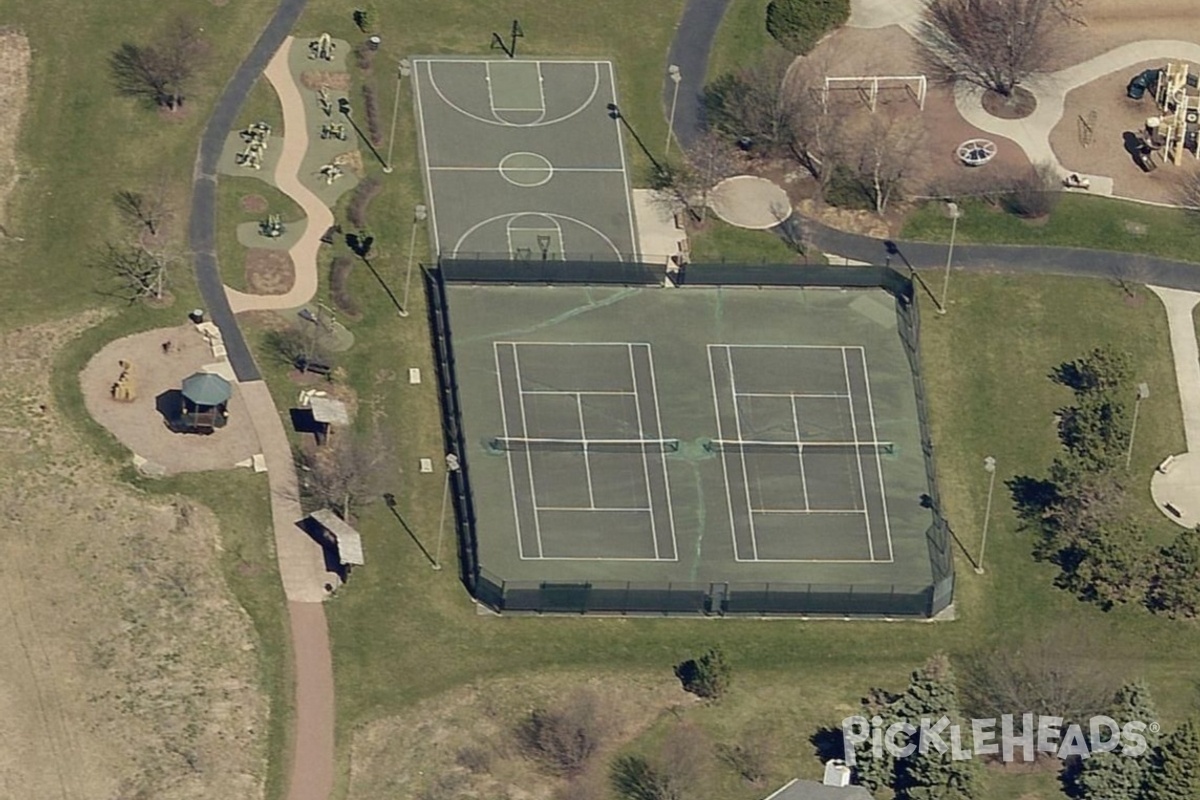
(748, 201)
(1179, 489)
(658, 237)
(881, 13)
(1184, 350)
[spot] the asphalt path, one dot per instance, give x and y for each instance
(689, 50)
(202, 228)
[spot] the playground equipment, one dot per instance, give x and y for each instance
(1177, 93)
(333, 130)
(271, 227)
(330, 172)
(125, 389)
(976, 152)
(255, 138)
(1087, 127)
(322, 48)
(868, 87)
(323, 100)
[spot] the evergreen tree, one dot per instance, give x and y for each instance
(1117, 774)
(1175, 587)
(876, 770)
(1105, 564)
(930, 773)
(1176, 771)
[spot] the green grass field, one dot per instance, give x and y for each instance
(741, 39)
(1078, 221)
(402, 631)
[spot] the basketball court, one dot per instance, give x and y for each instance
(523, 159)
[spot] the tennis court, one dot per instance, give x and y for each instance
(523, 159)
(711, 437)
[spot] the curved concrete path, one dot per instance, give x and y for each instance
(1032, 133)
(287, 179)
(311, 757)
(689, 51)
(1179, 486)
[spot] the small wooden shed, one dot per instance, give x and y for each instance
(344, 538)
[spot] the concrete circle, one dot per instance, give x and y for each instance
(526, 169)
(1176, 492)
(748, 201)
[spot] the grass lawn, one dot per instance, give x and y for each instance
(1078, 221)
(719, 241)
(741, 39)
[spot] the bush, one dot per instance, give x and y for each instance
(371, 102)
(1034, 194)
(846, 190)
(799, 24)
(707, 676)
(564, 737)
(364, 56)
(364, 193)
(339, 285)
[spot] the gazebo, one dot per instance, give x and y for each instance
(205, 397)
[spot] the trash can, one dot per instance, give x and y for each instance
(197, 315)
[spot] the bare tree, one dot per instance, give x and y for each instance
(351, 470)
(886, 148)
(564, 736)
(147, 211)
(160, 73)
(684, 761)
(754, 102)
(137, 272)
(995, 44)
(708, 161)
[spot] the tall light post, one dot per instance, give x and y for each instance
(955, 212)
(1143, 392)
(989, 465)
(452, 466)
(403, 70)
(419, 215)
(676, 77)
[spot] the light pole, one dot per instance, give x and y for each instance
(1143, 392)
(676, 77)
(955, 213)
(403, 70)
(452, 466)
(989, 465)
(419, 215)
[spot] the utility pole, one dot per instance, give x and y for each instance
(403, 70)
(955, 213)
(419, 215)
(676, 76)
(989, 465)
(1143, 392)
(452, 466)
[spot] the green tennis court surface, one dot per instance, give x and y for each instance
(523, 159)
(710, 436)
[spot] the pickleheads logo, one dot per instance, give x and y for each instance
(1037, 734)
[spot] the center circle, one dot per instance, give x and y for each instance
(526, 169)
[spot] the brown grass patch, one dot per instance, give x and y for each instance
(253, 203)
(351, 159)
(334, 81)
(14, 92)
(339, 285)
(269, 271)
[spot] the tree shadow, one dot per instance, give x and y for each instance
(828, 743)
(329, 549)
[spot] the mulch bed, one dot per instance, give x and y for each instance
(253, 203)
(1021, 103)
(269, 271)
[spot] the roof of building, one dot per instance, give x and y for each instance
(815, 790)
(328, 410)
(349, 541)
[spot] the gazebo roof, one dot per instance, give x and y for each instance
(206, 389)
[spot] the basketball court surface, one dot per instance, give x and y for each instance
(523, 159)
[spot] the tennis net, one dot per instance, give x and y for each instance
(798, 448)
(519, 444)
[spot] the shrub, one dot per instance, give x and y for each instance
(364, 193)
(364, 56)
(707, 676)
(476, 760)
(371, 102)
(339, 285)
(563, 737)
(799, 24)
(1034, 194)
(846, 190)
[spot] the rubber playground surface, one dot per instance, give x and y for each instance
(523, 159)
(696, 434)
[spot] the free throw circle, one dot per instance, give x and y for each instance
(526, 169)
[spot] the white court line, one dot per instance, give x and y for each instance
(512, 484)
(800, 454)
(587, 461)
(574, 344)
(633, 237)
(557, 229)
(537, 523)
(792, 395)
(502, 123)
(437, 245)
(887, 524)
(560, 391)
(637, 405)
(484, 59)
(525, 169)
(779, 346)
(549, 215)
(492, 100)
(597, 508)
(809, 511)
(712, 378)
(663, 457)
(858, 456)
(737, 415)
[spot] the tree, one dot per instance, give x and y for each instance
(818, 122)
(994, 44)
(634, 778)
(887, 145)
(931, 773)
(565, 736)
(146, 211)
(1035, 192)
(684, 760)
(351, 469)
(1175, 586)
(161, 73)
(1117, 775)
(1105, 564)
(137, 272)
(707, 676)
(708, 161)
(799, 24)
(755, 102)
(1175, 774)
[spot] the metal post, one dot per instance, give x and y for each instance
(955, 213)
(451, 467)
(1143, 391)
(419, 215)
(403, 70)
(989, 465)
(673, 71)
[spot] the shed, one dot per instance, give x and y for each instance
(347, 540)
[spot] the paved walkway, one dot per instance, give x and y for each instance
(1177, 490)
(749, 201)
(689, 51)
(1032, 133)
(287, 180)
(881, 13)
